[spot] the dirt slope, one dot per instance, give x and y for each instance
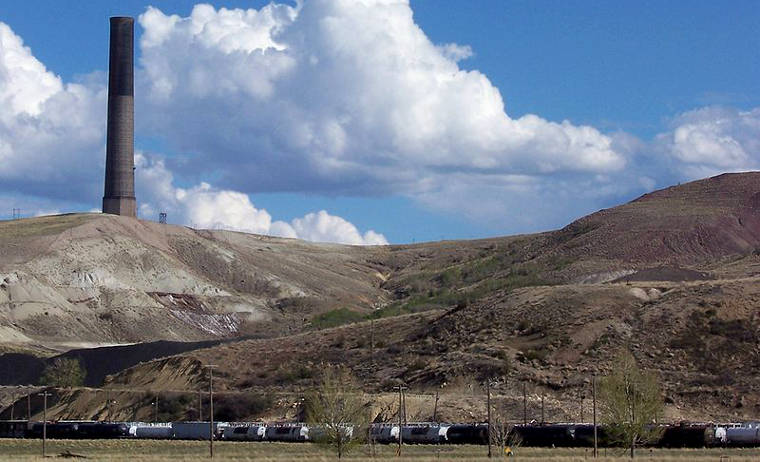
(78, 280)
(683, 294)
(671, 276)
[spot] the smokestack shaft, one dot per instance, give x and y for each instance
(119, 196)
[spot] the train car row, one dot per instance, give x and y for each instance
(547, 435)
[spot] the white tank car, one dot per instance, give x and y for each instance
(384, 433)
(159, 431)
(423, 433)
(317, 432)
(245, 433)
(287, 432)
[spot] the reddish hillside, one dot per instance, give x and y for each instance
(689, 223)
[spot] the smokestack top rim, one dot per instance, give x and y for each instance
(121, 18)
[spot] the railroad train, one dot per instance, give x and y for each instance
(692, 435)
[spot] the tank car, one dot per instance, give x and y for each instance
(686, 435)
(383, 433)
(57, 430)
(156, 431)
(195, 430)
(747, 435)
(287, 432)
(424, 433)
(255, 432)
(467, 434)
(102, 430)
(13, 428)
(559, 435)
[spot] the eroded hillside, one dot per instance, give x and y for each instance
(77, 280)
(673, 276)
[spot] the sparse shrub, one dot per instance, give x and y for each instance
(419, 363)
(174, 407)
(334, 318)
(538, 354)
(339, 341)
(393, 349)
(488, 369)
(239, 406)
(293, 372)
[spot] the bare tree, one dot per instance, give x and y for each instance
(336, 411)
(631, 403)
(501, 433)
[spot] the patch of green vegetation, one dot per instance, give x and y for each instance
(336, 317)
(468, 283)
(561, 262)
(293, 372)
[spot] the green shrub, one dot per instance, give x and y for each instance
(334, 318)
(63, 372)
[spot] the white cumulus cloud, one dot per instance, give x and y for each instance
(714, 139)
(204, 206)
(48, 129)
(343, 96)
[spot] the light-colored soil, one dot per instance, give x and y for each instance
(99, 280)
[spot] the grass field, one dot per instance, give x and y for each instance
(159, 451)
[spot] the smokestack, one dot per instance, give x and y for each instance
(119, 196)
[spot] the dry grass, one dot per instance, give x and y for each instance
(159, 451)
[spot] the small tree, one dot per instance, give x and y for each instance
(63, 372)
(336, 411)
(631, 403)
(502, 434)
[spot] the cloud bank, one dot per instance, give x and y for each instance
(204, 206)
(332, 97)
(340, 96)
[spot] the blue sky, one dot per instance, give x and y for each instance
(654, 80)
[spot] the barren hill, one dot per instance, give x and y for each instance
(77, 280)
(672, 276)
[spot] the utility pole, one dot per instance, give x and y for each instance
(633, 418)
(155, 409)
(400, 389)
(403, 396)
(488, 414)
(582, 398)
(372, 339)
(593, 398)
(200, 406)
(210, 368)
(435, 407)
(542, 408)
(44, 395)
(525, 405)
